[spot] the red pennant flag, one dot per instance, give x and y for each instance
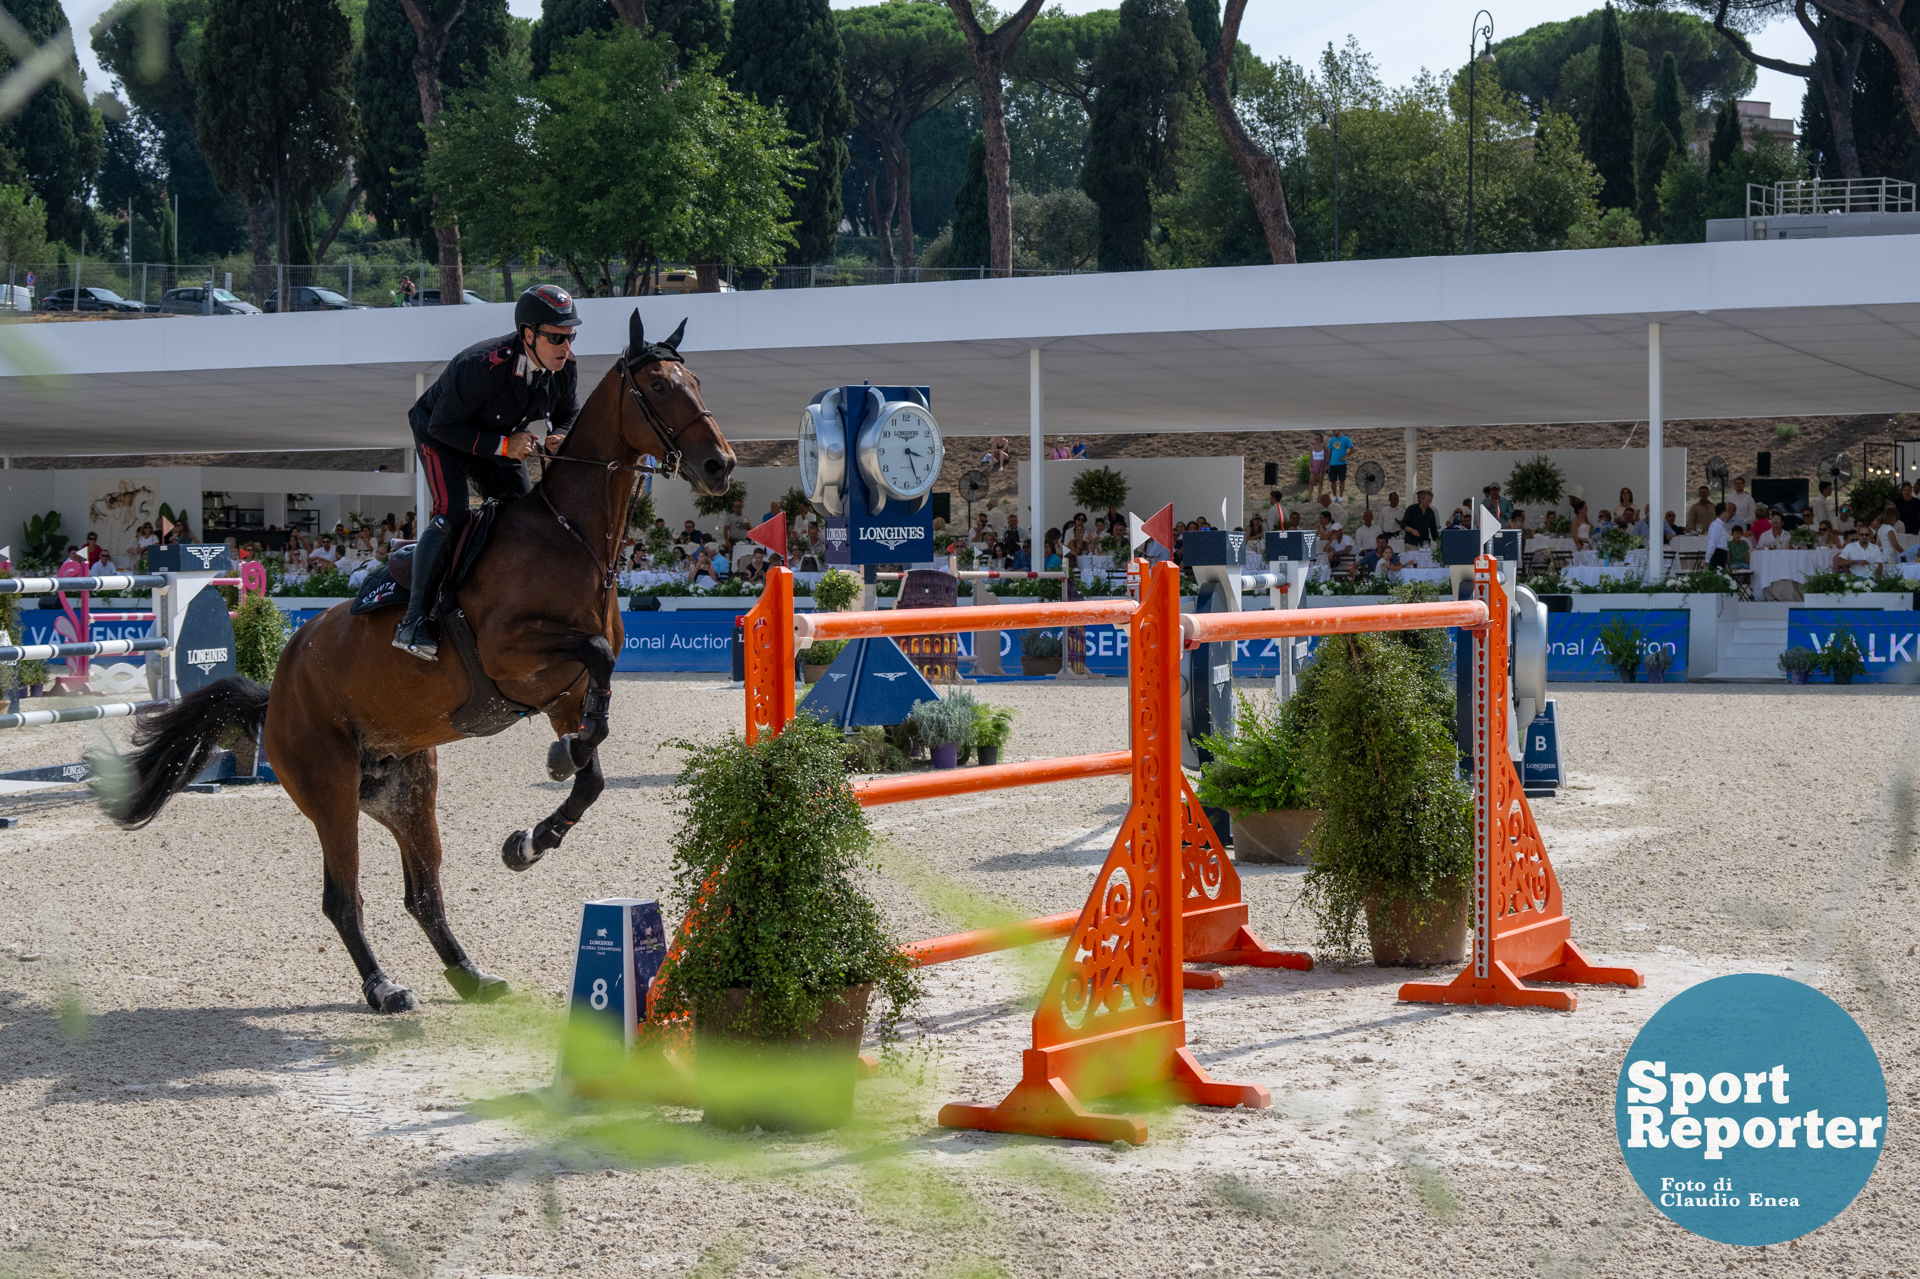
(773, 534)
(1160, 527)
(166, 526)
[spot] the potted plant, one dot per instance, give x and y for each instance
(1536, 482)
(1621, 643)
(1257, 776)
(1657, 663)
(1841, 658)
(945, 725)
(783, 943)
(32, 677)
(1395, 844)
(992, 726)
(1614, 545)
(836, 591)
(1099, 488)
(1798, 663)
(1040, 652)
(814, 661)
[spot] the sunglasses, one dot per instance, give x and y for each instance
(558, 339)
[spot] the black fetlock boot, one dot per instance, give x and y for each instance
(416, 633)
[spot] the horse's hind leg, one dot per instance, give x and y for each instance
(400, 794)
(525, 847)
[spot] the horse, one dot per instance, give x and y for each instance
(352, 724)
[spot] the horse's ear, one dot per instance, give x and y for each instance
(636, 332)
(673, 342)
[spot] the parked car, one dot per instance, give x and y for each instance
(315, 299)
(431, 297)
(682, 282)
(90, 300)
(188, 302)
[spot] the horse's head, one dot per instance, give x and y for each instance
(672, 417)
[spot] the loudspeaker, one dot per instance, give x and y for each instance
(943, 506)
(1764, 464)
(1270, 474)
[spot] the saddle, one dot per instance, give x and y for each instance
(487, 710)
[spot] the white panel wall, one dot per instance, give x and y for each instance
(673, 499)
(1195, 485)
(1600, 474)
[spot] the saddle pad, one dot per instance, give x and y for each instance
(392, 582)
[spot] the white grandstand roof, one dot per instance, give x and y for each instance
(1783, 328)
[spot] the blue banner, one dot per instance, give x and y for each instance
(1573, 641)
(1889, 640)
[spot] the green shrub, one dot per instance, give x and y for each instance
(45, 543)
(867, 750)
(1628, 584)
(723, 503)
(1842, 654)
(1551, 583)
(835, 590)
(1557, 525)
(1785, 431)
(823, 652)
(1798, 658)
(1536, 482)
(322, 583)
(1257, 769)
(944, 721)
(1871, 495)
(1658, 659)
(768, 867)
(31, 672)
(1383, 766)
(992, 725)
(1040, 644)
(260, 632)
(1099, 488)
(1303, 470)
(1616, 542)
(1804, 538)
(1621, 643)
(1705, 581)
(1832, 584)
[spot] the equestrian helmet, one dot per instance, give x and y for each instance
(545, 304)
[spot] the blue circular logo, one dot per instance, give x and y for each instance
(1751, 1109)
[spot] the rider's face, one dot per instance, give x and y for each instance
(548, 353)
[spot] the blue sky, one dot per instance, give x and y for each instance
(1402, 35)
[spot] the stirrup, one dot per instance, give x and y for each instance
(418, 639)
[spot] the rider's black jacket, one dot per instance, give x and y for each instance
(489, 391)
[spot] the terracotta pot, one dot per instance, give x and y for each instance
(1400, 940)
(1039, 665)
(812, 674)
(799, 1083)
(1274, 838)
(988, 755)
(946, 755)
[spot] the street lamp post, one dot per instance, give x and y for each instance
(1334, 122)
(1482, 32)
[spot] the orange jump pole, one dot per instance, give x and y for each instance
(962, 781)
(1111, 1019)
(1520, 931)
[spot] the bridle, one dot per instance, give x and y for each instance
(629, 365)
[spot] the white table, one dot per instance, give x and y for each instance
(1771, 566)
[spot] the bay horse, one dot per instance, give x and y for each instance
(352, 724)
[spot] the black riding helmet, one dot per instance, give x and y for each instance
(545, 304)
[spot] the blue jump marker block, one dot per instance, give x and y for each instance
(1543, 769)
(622, 944)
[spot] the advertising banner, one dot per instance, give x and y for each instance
(1573, 641)
(1889, 640)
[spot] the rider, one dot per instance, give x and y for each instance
(473, 423)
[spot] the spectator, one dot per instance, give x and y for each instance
(1317, 464)
(1391, 520)
(1888, 535)
(1742, 501)
(1825, 509)
(407, 290)
(1459, 518)
(1013, 529)
(1337, 449)
(691, 536)
(757, 568)
(1672, 530)
(1364, 534)
(1739, 553)
(1021, 561)
(1772, 538)
(407, 528)
(1909, 507)
(1582, 530)
(1605, 524)
(144, 541)
(1381, 559)
(1626, 498)
(1762, 524)
(1079, 446)
(91, 547)
(324, 553)
(735, 526)
(1061, 450)
(701, 571)
(721, 564)
(1700, 514)
(1717, 536)
(1860, 555)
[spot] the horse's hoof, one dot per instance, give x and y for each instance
(560, 765)
(475, 986)
(387, 997)
(518, 852)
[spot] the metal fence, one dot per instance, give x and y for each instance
(1829, 195)
(382, 283)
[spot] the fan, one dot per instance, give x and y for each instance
(1718, 472)
(974, 483)
(1371, 478)
(1839, 469)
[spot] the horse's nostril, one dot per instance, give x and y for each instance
(716, 468)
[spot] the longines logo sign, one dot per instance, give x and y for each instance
(205, 659)
(892, 536)
(206, 555)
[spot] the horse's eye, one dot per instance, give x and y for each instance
(659, 386)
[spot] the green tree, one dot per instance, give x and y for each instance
(275, 113)
(150, 59)
(972, 245)
(901, 61)
(1683, 209)
(1204, 16)
(1725, 143)
(787, 54)
(55, 142)
(483, 169)
(392, 144)
(23, 229)
(990, 51)
(1147, 75)
(1610, 128)
(1666, 138)
(1532, 63)
(695, 26)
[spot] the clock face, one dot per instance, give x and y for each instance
(809, 455)
(907, 453)
(823, 454)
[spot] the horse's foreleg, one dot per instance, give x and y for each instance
(572, 752)
(525, 847)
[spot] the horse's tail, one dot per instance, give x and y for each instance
(172, 744)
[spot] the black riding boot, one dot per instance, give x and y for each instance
(416, 632)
